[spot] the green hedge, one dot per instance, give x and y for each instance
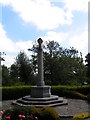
(62, 90)
(16, 92)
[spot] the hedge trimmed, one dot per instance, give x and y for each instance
(62, 90)
(16, 92)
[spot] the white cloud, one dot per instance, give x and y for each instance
(12, 48)
(56, 36)
(44, 14)
(80, 42)
(68, 39)
(5, 43)
(76, 5)
(41, 13)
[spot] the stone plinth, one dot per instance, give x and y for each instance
(40, 91)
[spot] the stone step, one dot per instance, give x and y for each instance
(64, 102)
(40, 102)
(52, 97)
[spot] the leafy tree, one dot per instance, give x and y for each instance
(22, 69)
(61, 66)
(88, 66)
(14, 73)
(5, 76)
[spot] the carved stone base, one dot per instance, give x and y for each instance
(40, 96)
(40, 91)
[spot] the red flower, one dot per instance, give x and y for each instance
(8, 117)
(20, 116)
(2, 112)
(23, 116)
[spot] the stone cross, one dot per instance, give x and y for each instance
(40, 64)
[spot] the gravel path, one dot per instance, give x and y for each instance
(74, 107)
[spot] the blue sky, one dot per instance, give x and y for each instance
(22, 22)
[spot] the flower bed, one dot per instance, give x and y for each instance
(29, 113)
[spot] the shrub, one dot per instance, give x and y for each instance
(6, 114)
(48, 113)
(30, 113)
(75, 95)
(82, 116)
(88, 97)
(76, 92)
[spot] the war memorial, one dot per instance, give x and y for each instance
(40, 95)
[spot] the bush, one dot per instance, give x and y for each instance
(70, 91)
(88, 98)
(82, 116)
(60, 90)
(48, 113)
(75, 95)
(30, 113)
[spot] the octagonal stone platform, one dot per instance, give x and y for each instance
(40, 102)
(40, 96)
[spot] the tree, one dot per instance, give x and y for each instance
(61, 66)
(14, 73)
(88, 66)
(22, 69)
(5, 76)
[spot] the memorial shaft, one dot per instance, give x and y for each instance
(40, 64)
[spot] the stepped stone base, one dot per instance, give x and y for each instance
(40, 96)
(40, 102)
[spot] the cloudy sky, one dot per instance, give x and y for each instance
(22, 22)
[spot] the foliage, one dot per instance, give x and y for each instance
(48, 113)
(5, 76)
(31, 113)
(88, 66)
(62, 66)
(75, 95)
(69, 91)
(65, 91)
(21, 70)
(14, 92)
(88, 97)
(82, 116)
